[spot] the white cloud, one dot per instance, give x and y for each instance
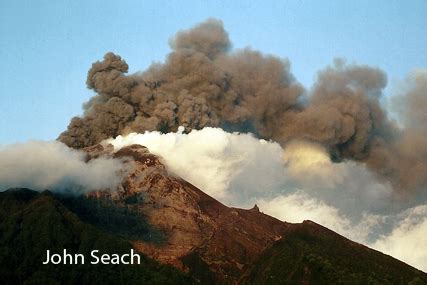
(52, 165)
(299, 206)
(408, 240)
(214, 160)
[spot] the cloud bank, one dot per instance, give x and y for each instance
(54, 166)
(294, 183)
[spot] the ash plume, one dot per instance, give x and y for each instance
(203, 83)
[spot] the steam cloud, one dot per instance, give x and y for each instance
(54, 166)
(293, 184)
(202, 83)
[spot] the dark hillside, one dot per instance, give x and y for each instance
(311, 254)
(30, 223)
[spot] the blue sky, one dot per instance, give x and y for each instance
(46, 47)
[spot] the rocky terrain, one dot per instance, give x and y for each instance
(212, 242)
(204, 237)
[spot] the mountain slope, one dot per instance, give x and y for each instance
(311, 254)
(31, 223)
(201, 232)
(169, 220)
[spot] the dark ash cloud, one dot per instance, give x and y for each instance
(203, 83)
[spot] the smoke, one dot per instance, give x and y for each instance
(293, 183)
(52, 165)
(411, 106)
(208, 38)
(204, 83)
(411, 102)
(200, 84)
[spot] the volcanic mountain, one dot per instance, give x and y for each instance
(177, 226)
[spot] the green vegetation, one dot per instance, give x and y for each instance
(31, 223)
(312, 254)
(121, 219)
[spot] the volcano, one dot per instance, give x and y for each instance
(184, 235)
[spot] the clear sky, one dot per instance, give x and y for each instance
(46, 47)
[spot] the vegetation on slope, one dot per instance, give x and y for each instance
(312, 254)
(31, 223)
